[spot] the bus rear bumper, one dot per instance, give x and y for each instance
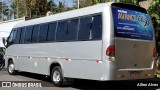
(132, 74)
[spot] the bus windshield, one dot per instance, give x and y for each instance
(132, 24)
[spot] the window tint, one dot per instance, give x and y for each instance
(18, 34)
(72, 29)
(51, 32)
(43, 32)
(61, 31)
(12, 37)
(84, 29)
(97, 27)
(22, 35)
(28, 34)
(35, 33)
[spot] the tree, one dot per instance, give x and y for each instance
(86, 3)
(1, 18)
(136, 2)
(60, 7)
(154, 12)
(30, 5)
(19, 8)
(34, 8)
(43, 7)
(51, 6)
(37, 8)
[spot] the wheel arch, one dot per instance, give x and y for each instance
(54, 64)
(10, 59)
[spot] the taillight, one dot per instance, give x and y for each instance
(154, 52)
(110, 50)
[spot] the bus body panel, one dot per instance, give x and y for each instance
(133, 53)
(74, 56)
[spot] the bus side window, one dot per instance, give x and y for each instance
(51, 32)
(43, 32)
(35, 33)
(28, 34)
(72, 29)
(84, 29)
(97, 27)
(61, 31)
(22, 35)
(18, 34)
(12, 37)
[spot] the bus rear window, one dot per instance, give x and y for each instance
(132, 24)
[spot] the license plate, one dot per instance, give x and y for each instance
(135, 73)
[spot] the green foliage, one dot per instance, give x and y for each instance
(37, 8)
(154, 11)
(129, 1)
(60, 7)
(1, 11)
(86, 3)
(32, 8)
(19, 8)
(51, 6)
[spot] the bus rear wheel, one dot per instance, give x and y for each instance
(56, 76)
(11, 68)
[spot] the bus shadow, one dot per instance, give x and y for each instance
(94, 85)
(35, 76)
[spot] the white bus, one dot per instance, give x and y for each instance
(110, 41)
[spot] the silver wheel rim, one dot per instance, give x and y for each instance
(11, 68)
(56, 76)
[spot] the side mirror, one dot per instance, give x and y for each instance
(4, 39)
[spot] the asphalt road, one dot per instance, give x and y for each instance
(78, 84)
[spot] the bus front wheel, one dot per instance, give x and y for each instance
(11, 68)
(56, 76)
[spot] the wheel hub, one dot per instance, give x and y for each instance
(11, 68)
(56, 76)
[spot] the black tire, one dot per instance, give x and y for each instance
(11, 68)
(57, 80)
(1, 66)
